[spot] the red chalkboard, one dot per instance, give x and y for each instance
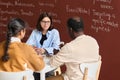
(101, 19)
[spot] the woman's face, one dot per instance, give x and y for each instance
(45, 23)
(23, 33)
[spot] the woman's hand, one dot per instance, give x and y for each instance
(42, 50)
(39, 50)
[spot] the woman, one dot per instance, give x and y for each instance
(16, 55)
(44, 38)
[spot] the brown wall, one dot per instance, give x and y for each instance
(101, 18)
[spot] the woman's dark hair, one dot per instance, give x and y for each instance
(76, 23)
(42, 15)
(15, 25)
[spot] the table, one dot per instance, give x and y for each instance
(46, 69)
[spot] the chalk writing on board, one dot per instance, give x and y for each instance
(55, 17)
(56, 20)
(106, 7)
(46, 4)
(101, 23)
(77, 10)
(104, 1)
(16, 3)
(104, 20)
(7, 4)
(3, 24)
(10, 12)
(5, 10)
(27, 13)
(2, 18)
(23, 4)
(101, 28)
(103, 14)
(53, 14)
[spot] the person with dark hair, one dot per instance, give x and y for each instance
(44, 38)
(15, 55)
(82, 48)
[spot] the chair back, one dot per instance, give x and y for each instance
(90, 70)
(22, 75)
(57, 71)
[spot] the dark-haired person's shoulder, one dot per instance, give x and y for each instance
(34, 30)
(91, 37)
(26, 45)
(54, 30)
(22, 45)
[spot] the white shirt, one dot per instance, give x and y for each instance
(15, 39)
(82, 49)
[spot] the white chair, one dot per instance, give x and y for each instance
(57, 71)
(22, 75)
(90, 70)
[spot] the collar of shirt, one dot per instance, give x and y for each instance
(48, 32)
(81, 36)
(15, 39)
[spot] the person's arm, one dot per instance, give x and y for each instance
(61, 57)
(31, 40)
(55, 43)
(36, 61)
